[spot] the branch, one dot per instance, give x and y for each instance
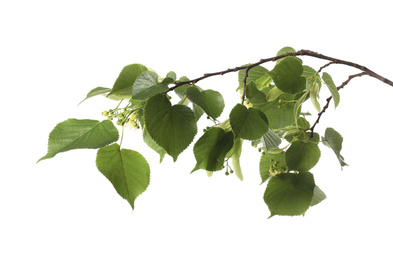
(330, 98)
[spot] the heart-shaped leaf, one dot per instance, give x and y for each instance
(302, 156)
(171, 127)
(146, 85)
(210, 101)
(287, 75)
(125, 81)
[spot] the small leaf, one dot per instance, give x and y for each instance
(146, 85)
(271, 164)
(126, 79)
(95, 92)
(127, 170)
(273, 94)
(283, 51)
(77, 134)
(211, 148)
(334, 140)
(302, 156)
(332, 87)
(254, 74)
(210, 101)
(171, 127)
(171, 75)
(254, 95)
(287, 75)
(289, 194)
(318, 196)
(235, 158)
(270, 140)
(248, 123)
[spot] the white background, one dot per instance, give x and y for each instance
(53, 52)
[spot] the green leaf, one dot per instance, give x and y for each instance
(332, 87)
(171, 75)
(211, 148)
(302, 156)
(318, 196)
(314, 90)
(271, 164)
(127, 170)
(77, 134)
(273, 94)
(95, 92)
(283, 51)
(270, 140)
(289, 194)
(171, 127)
(125, 81)
(279, 112)
(311, 75)
(249, 123)
(254, 74)
(210, 101)
(153, 145)
(287, 75)
(334, 140)
(254, 95)
(146, 85)
(235, 158)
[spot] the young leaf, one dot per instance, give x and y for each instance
(95, 92)
(211, 148)
(171, 127)
(248, 123)
(254, 74)
(235, 158)
(146, 85)
(125, 81)
(332, 87)
(210, 101)
(314, 90)
(127, 170)
(302, 156)
(289, 194)
(318, 196)
(270, 140)
(334, 140)
(271, 165)
(287, 75)
(78, 134)
(283, 51)
(273, 94)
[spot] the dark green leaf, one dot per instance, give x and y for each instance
(181, 90)
(127, 170)
(211, 148)
(171, 127)
(146, 85)
(78, 134)
(302, 156)
(249, 123)
(210, 101)
(271, 165)
(318, 196)
(289, 194)
(332, 87)
(287, 75)
(153, 145)
(334, 140)
(95, 92)
(126, 79)
(254, 95)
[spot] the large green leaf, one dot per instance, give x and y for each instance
(287, 75)
(302, 156)
(95, 92)
(146, 85)
(171, 127)
(125, 81)
(332, 88)
(289, 194)
(248, 123)
(271, 164)
(334, 140)
(127, 170)
(210, 101)
(211, 148)
(77, 134)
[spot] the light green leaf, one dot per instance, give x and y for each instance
(77, 134)
(302, 156)
(263, 81)
(249, 123)
(127, 170)
(95, 92)
(271, 164)
(332, 87)
(289, 194)
(318, 196)
(125, 81)
(273, 94)
(171, 127)
(210, 101)
(146, 85)
(254, 74)
(334, 140)
(211, 148)
(270, 140)
(235, 158)
(311, 75)
(153, 145)
(287, 75)
(283, 51)
(314, 90)
(171, 75)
